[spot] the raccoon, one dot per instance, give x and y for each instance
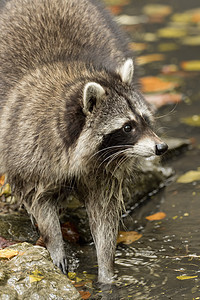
(71, 117)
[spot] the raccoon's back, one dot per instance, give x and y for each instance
(33, 33)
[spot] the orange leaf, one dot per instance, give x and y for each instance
(2, 180)
(152, 84)
(115, 9)
(145, 59)
(8, 253)
(163, 99)
(196, 18)
(128, 237)
(157, 216)
(85, 294)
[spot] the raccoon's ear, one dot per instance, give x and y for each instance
(126, 71)
(92, 94)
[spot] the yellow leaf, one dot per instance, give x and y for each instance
(156, 216)
(192, 121)
(8, 253)
(191, 40)
(35, 276)
(184, 277)
(189, 177)
(191, 65)
(182, 18)
(167, 47)
(71, 275)
(5, 190)
(172, 32)
(128, 237)
(157, 9)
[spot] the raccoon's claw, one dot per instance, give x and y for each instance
(61, 263)
(63, 266)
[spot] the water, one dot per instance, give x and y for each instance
(153, 266)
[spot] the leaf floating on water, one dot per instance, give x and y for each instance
(85, 294)
(35, 276)
(146, 59)
(151, 84)
(138, 46)
(163, 99)
(172, 32)
(189, 176)
(192, 121)
(164, 47)
(156, 217)
(191, 40)
(8, 253)
(191, 65)
(184, 277)
(189, 16)
(157, 9)
(128, 237)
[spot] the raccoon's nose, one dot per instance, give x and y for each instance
(161, 148)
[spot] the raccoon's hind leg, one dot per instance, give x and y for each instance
(104, 223)
(45, 214)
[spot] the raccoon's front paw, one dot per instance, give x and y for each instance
(61, 262)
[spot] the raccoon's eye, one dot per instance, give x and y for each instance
(127, 128)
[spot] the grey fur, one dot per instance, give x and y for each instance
(67, 89)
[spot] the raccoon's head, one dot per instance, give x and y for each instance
(118, 120)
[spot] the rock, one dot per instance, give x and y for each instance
(32, 275)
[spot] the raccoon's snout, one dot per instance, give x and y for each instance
(161, 148)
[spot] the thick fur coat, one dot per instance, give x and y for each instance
(71, 115)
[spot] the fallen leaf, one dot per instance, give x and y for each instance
(192, 121)
(157, 216)
(35, 276)
(189, 176)
(157, 9)
(146, 59)
(163, 99)
(8, 253)
(128, 237)
(85, 294)
(191, 65)
(71, 275)
(196, 17)
(152, 84)
(150, 37)
(2, 180)
(182, 17)
(191, 40)
(164, 47)
(172, 32)
(184, 277)
(115, 9)
(5, 190)
(138, 46)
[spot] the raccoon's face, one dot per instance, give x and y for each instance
(118, 125)
(121, 120)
